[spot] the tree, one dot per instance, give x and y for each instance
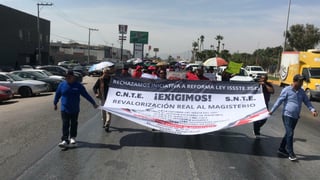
(302, 38)
(195, 47)
(219, 38)
(225, 54)
(201, 42)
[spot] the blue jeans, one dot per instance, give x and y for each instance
(287, 141)
(69, 125)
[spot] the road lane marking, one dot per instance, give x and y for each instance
(192, 166)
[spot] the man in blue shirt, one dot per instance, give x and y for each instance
(69, 91)
(292, 98)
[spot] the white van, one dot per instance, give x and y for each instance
(242, 76)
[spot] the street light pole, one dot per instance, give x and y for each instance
(90, 29)
(285, 33)
(38, 29)
(285, 36)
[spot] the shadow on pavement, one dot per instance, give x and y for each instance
(8, 102)
(83, 144)
(221, 141)
(120, 130)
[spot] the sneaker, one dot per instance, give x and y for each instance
(73, 141)
(283, 152)
(292, 157)
(107, 128)
(257, 135)
(63, 144)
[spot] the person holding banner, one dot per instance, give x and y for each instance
(124, 72)
(292, 98)
(162, 74)
(137, 72)
(69, 91)
(100, 89)
(225, 76)
(150, 73)
(267, 90)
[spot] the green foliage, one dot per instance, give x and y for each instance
(267, 58)
(302, 38)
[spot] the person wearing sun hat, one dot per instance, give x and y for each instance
(291, 97)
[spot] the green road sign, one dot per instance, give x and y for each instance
(139, 37)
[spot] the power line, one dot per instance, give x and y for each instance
(63, 15)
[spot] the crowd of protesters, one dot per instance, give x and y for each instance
(70, 90)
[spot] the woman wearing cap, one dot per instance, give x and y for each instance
(100, 89)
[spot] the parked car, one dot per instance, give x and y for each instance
(193, 66)
(47, 74)
(5, 93)
(242, 76)
(33, 75)
(23, 67)
(25, 88)
(255, 72)
(80, 69)
(59, 70)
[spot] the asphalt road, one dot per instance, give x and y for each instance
(30, 130)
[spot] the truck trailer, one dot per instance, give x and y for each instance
(306, 63)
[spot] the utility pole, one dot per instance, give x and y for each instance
(285, 36)
(122, 31)
(90, 29)
(285, 33)
(38, 29)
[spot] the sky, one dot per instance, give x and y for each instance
(173, 25)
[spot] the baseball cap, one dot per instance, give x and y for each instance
(298, 77)
(152, 68)
(70, 73)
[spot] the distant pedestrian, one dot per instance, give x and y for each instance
(69, 91)
(150, 73)
(137, 72)
(125, 72)
(267, 90)
(225, 75)
(190, 75)
(198, 75)
(100, 89)
(292, 98)
(163, 74)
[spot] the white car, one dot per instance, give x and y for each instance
(193, 66)
(46, 73)
(25, 88)
(255, 71)
(243, 76)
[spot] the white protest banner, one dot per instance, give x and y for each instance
(186, 107)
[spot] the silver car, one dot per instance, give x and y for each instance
(25, 88)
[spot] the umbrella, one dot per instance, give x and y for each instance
(216, 61)
(137, 61)
(131, 60)
(162, 63)
(101, 66)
